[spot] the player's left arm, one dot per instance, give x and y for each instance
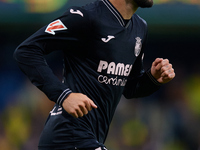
(140, 83)
(143, 83)
(162, 70)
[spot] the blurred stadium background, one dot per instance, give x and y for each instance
(166, 120)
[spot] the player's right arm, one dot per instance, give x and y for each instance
(78, 104)
(58, 35)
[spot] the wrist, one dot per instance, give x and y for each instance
(63, 96)
(153, 79)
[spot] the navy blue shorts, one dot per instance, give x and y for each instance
(53, 148)
(64, 132)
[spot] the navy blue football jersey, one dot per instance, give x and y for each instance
(103, 59)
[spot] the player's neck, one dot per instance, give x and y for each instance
(125, 7)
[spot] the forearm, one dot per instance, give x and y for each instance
(32, 63)
(142, 86)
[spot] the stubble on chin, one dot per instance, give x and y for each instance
(144, 3)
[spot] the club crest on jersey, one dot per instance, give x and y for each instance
(56, 25)
(138, 46)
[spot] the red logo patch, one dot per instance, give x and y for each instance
(55, 26)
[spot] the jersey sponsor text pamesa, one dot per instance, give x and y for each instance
(119, 69)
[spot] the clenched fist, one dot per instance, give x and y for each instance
(162, 70)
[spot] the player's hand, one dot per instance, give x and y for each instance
(78, 104)
(162, 70)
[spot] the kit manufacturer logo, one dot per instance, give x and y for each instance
(78, 12)
(106, 40)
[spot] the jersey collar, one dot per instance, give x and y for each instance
(115, 12)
